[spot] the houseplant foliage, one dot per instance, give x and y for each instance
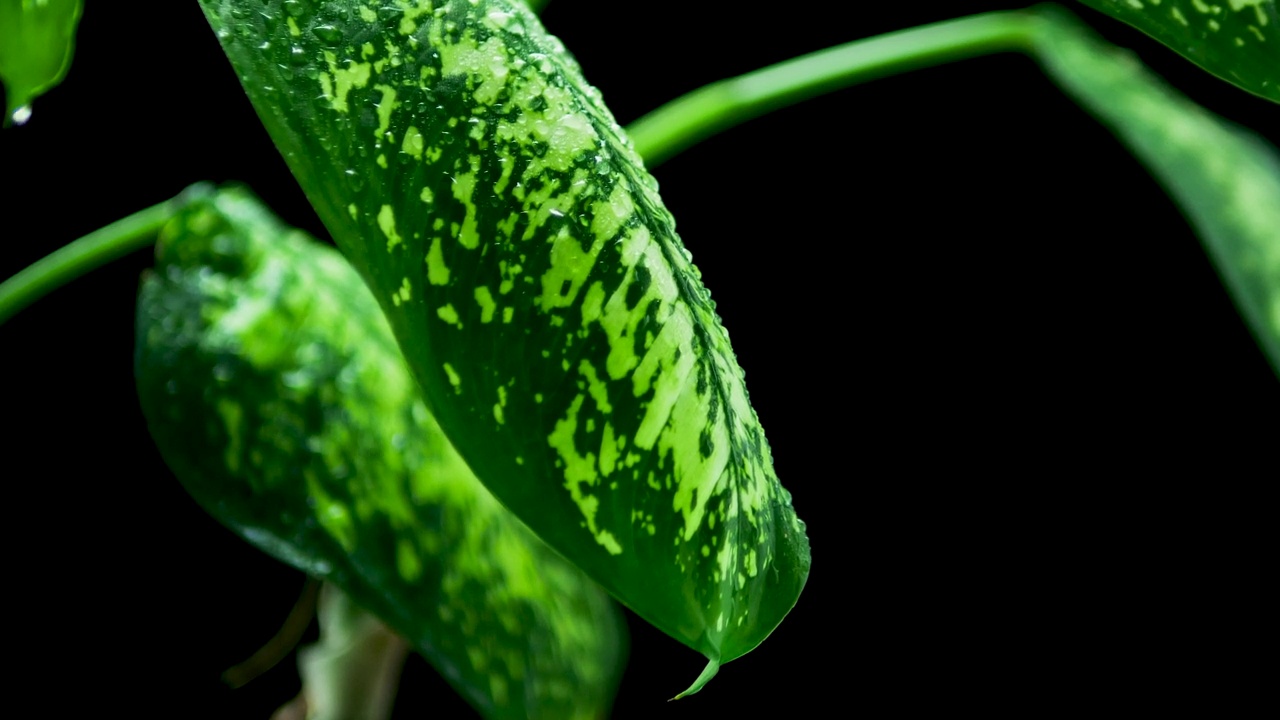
(537, 287)
(313, 443)
(1201, 171)
(37, 39)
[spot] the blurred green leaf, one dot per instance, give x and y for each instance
(1225, 179)
(275, 390)
(536, 284)
(1237, 40)
(37, 38)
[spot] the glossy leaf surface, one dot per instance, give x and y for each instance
(1237, 40)
(535, 281)
(275, 390)
(36, 41)
(1226, 179)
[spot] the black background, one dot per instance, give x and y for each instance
(1009, 395)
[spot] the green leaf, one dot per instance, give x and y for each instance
(1226, 179)
(36, 41)
(1237, 40)
(536, 284)
(275, 390)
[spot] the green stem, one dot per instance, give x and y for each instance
(88, 253)
(721, 105)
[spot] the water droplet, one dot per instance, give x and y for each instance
(297, 55)
(21, 115)
(296, 8)
(355, 180)
(328, 34)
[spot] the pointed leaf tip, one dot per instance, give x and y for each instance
(708, 672)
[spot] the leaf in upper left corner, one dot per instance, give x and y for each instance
(1237, 40)
(37, 38)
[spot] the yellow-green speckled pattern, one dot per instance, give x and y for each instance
(1237, 40)
(275, 390)
(535, 281)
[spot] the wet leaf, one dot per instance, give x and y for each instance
(37, 38)
(1225, 179)
(275, 391)
(1237, 40)
(536, 284)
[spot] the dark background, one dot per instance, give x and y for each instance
(1022, 419)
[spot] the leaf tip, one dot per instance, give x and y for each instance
(708, 672)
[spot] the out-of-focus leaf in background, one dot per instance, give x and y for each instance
(276, 393)
(1225, 179)
(37, 38)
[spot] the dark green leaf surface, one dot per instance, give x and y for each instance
(36, 41)
(275, 390)
(1237, 40)
(1226, 179)
(535, 281)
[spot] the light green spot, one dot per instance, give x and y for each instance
(293, 27)
(507, 314)
(332, 515)
(427, 196)
(407, 561)
(387, 222)
(437, 271)
(382, 161)
(367, 14)
(599, 391)
(355, 75)
(487, 305)
(464, 186)
(448, 314)
(385, 107)
(579, 471)
(454, 379)
(568, 264)
(233, 419)
(353, 211)
(486, 63)
(413, 145)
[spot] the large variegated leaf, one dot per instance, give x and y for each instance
(1237, 40)
(1225, 179)
(537, 286)
(36, 41)
(276, 392)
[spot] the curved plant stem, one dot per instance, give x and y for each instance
(721, 105)
(87, 253)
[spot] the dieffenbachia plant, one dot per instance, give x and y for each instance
(539, 292)
(553, 322)
(275, 391)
